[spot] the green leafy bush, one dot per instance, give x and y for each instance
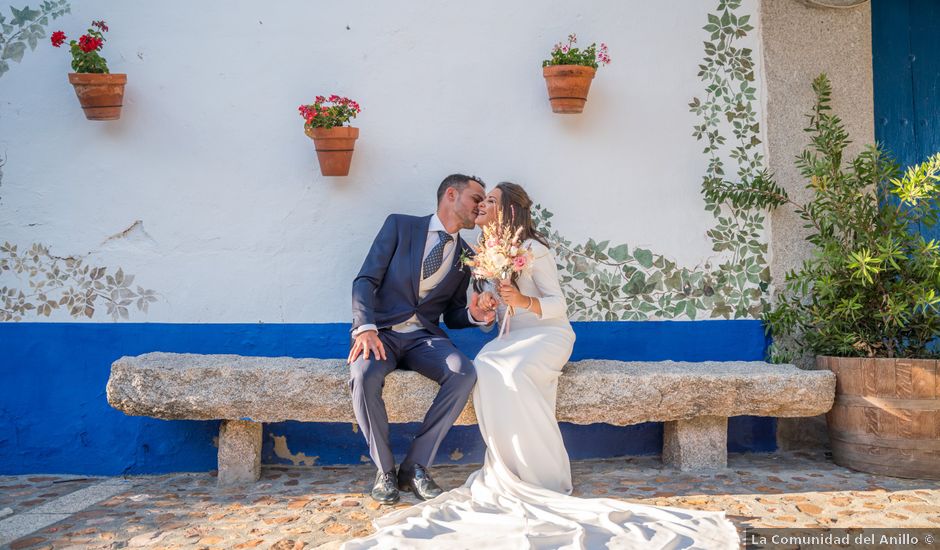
(872, 286)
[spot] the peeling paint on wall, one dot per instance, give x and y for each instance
(282, 451)
(134, 235)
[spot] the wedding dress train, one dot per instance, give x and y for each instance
(520, 498)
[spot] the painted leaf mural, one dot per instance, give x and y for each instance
(26, 27)
(66, 283)
(608, 282)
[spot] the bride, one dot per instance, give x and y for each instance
(520, 497)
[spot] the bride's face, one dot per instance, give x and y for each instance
(489, 206)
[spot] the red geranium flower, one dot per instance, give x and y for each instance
(58, 38)
(89, 43)
(84, 49)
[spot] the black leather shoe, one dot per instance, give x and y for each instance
(417, 479)
(385, 488)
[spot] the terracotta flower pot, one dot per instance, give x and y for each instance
(886, 415)
(101, 95)
(334, 148)
(568, 86)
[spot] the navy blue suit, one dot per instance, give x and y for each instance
(385, 293)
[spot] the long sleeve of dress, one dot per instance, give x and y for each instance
(545, 277)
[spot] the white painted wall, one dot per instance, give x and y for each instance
(237, 223)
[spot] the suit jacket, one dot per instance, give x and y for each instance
(385, 292)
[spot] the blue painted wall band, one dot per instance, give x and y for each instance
(54, 415)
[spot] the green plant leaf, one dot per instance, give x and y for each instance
(644, 257)
(23, 16)
(619, 253)
(14, 51)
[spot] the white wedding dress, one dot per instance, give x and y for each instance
(520, 497)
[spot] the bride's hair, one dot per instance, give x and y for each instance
(517, 211)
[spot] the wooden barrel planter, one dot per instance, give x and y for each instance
(886, 416)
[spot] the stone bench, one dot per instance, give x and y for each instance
(693, 399)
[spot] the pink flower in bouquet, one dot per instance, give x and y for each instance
(519, 263)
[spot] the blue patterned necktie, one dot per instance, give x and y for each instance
(433, 262)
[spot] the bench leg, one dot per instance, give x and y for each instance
(699, 443)
(239, 452)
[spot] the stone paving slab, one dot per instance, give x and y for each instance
(319, 507)
(83, 498)
(28, 491)
(32, 519)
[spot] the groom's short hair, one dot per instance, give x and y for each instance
(458, 182)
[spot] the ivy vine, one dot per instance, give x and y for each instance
(25, 28)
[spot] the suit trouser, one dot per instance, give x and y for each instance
(432, 356)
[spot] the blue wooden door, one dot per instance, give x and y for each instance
(906, 67)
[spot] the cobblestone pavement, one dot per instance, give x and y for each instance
(319, 507)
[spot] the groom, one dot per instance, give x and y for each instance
(410, 278)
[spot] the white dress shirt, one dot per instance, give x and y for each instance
(427, 285)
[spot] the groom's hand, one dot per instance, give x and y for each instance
(481, 310)
(367, 342)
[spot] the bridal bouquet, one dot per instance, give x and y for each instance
(499, 254)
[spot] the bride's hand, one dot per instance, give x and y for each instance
(511, 295)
